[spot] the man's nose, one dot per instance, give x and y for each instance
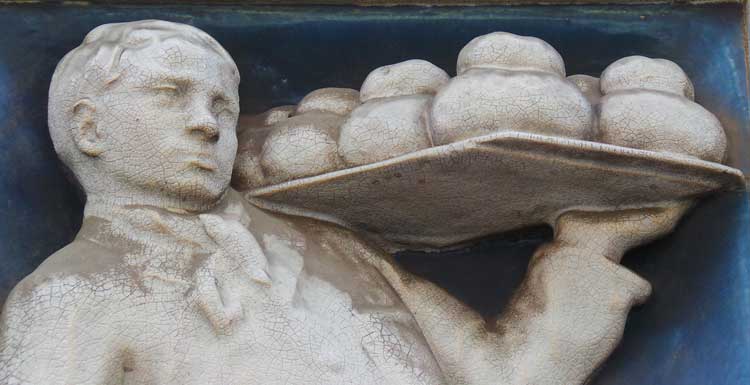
(203, 124)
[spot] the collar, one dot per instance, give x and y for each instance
(157, 242)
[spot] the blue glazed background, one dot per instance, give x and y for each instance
(696, 327)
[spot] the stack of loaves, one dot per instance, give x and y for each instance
(505, 83)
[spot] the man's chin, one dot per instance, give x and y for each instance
(206, 192)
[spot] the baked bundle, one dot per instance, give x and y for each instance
(504, 83)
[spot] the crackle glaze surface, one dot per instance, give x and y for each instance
(423, 297)
(510, 142)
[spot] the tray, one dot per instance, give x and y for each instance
(457, 192)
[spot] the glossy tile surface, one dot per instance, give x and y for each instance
(693, 330)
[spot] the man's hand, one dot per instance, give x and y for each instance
(572, 306)
(613, 233)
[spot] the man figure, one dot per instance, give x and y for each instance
(173, 279)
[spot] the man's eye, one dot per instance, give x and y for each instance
(221, 105)
(167, 89)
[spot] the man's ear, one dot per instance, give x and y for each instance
(85, 131)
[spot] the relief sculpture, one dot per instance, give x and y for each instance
(287, 276)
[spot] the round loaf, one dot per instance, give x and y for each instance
(406, 78)
(502, 50)
(639, 72)
(663, 122)
(384, 128)
(301, 146)
(339, 101)
(482, 102)
(589, 87)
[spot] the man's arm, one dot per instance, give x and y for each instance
(564, 320)
(42, 341)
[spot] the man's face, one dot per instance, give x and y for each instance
(168, 123)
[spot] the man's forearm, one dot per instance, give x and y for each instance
(562, 323)
(567, 317)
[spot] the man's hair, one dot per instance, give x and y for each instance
(95, 64)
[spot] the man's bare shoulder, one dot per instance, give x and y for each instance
(58, 311)
(68, 279)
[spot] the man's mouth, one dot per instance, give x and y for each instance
(202, 162)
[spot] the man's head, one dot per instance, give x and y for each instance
(145, 112)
